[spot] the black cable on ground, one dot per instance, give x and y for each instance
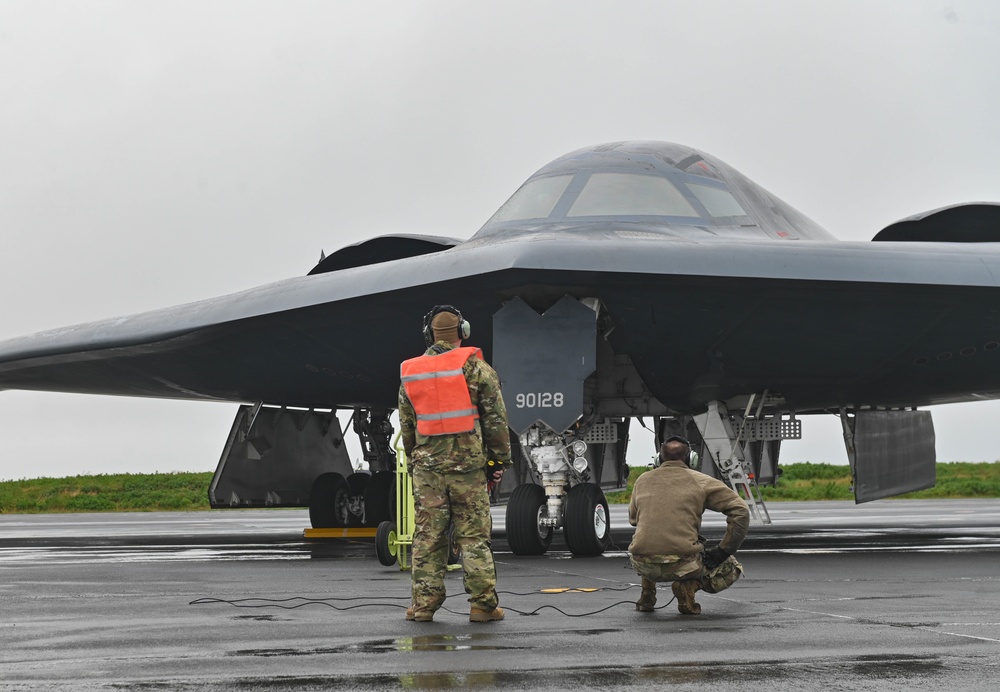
(271, 603)
(304, 601)
(296, 598)
(563, 612)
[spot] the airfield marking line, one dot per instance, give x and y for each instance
(817, 612)
(957, 634)
(883, 624)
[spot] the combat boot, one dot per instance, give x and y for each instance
(647, 600)
(419, 615)
(684, 591)
(482, 615)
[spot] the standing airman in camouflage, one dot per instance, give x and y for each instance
(453, 421)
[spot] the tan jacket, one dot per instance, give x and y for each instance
(666, 508)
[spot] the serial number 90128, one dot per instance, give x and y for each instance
(539, 400)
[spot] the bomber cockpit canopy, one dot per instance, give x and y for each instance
(656, 184)
(631, 182)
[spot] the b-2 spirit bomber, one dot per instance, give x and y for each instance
(632, 280)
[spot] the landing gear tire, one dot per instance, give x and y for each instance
(525, 535)
(329, 502)
(357, 482)
(385, 543)
(380, 498)
(587, 529)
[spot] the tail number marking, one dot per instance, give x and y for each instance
(539, 400)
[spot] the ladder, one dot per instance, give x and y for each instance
(742, 477)
(728, 450)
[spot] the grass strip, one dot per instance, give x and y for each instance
(188, 492)
(808, 481)
(125, 492)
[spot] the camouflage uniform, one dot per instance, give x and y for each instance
(662, 568)
(449, 486)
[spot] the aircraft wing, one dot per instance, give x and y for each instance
(822, 322)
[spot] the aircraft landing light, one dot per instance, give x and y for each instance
(339, 533)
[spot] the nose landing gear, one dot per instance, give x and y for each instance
(567, 500)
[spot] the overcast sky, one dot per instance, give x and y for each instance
(155, 153)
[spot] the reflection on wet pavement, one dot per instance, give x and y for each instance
(860, 672)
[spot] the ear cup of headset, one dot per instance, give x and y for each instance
(427, 331)
(693, 460)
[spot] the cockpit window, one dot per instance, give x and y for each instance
(534, 200)
(717, 202)
(627, 194)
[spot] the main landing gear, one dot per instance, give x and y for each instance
(360, 498)
(567, 500)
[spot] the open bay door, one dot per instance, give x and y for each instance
(281, 457)
(890, 452)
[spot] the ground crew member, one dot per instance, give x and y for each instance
(453, 421)
(666, 509)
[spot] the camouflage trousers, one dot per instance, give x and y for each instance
(459, 499)
(676, 568)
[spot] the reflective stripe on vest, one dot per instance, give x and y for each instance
(436, 387)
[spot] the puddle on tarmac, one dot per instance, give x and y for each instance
(386, 646)
(784, 674)
(431, 642)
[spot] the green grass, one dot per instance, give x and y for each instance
(127, 492)
(808, 481)
(159, 492)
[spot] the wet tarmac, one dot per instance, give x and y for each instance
(893, 595)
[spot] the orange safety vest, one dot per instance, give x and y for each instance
(436, 387)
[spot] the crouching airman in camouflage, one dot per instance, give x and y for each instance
(666, 509)
(453, 421)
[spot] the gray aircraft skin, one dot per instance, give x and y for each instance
(713, 287)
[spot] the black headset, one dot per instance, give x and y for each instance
(464, 328)
(691, 459)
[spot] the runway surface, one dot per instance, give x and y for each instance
(893, 595)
